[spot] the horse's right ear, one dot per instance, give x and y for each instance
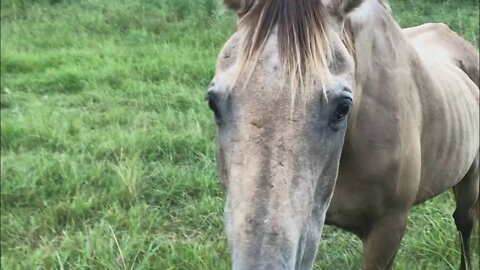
(239, 6)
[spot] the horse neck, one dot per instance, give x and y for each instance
(379, 43)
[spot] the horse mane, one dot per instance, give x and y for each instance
(303, 39)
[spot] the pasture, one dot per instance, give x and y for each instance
(107, 144)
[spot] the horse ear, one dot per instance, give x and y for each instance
(342, 7)
(239, 6)
(350, 5)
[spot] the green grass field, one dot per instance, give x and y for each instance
(107, 154)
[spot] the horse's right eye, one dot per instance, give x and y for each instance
(212, 104)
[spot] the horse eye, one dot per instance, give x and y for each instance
(340, 113)
(342, 109)
(212, 104)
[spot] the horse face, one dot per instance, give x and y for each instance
(277, 153)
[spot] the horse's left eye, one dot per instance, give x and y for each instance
(340, 113)
(342, 109)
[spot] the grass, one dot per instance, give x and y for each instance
(107, 151)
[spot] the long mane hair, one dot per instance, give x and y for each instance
(303, 39)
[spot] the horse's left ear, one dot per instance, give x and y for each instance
(341, 8)
(350, 5)
(239, 6)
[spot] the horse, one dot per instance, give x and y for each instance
(327, 112)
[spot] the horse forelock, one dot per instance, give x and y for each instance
(302, 38)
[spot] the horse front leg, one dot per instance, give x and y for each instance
(381, 244)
